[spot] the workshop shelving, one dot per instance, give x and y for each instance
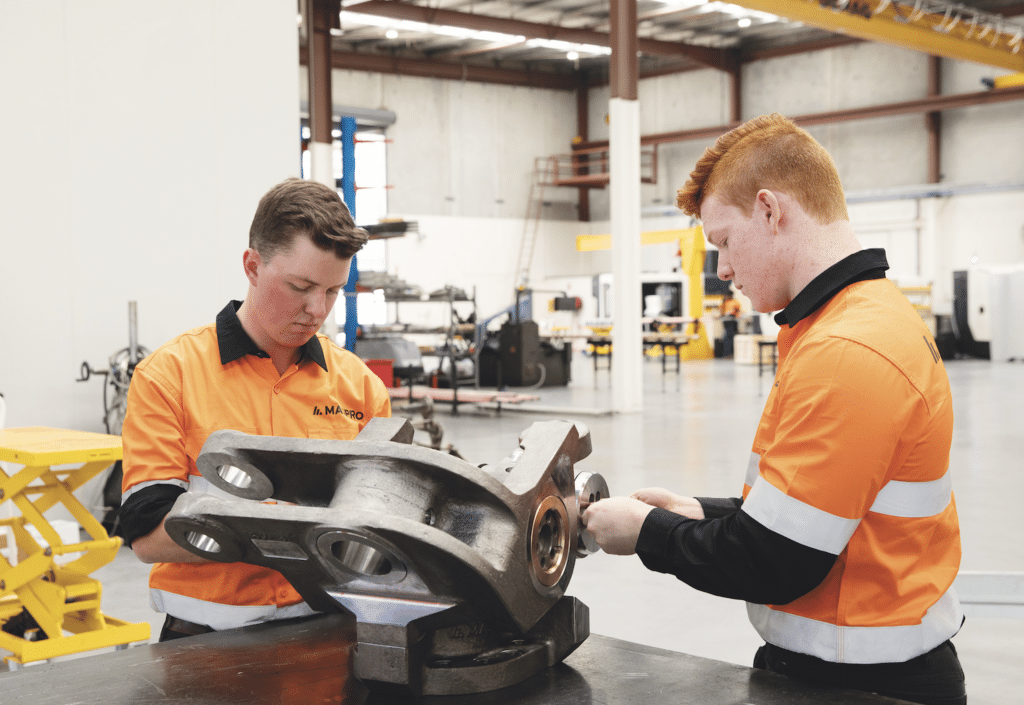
(459, 334)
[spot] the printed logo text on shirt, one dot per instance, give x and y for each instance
(327, 410)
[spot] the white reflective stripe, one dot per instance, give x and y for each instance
(218, 616)
(796, 520)
(859, 644)
(914, 499)
(143, 485)
(753, 469)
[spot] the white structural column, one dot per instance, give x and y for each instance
(627, 357)
(321, 163)
(624, 189)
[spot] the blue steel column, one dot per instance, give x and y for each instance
(348, 191)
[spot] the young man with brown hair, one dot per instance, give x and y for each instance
(261, 369)
(846, 541)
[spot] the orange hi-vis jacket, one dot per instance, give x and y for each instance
(200, 382)
(851, 457)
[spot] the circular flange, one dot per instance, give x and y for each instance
(590, 487)
(549, 541)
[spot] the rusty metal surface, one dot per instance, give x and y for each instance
(456, 574)
(307, 661)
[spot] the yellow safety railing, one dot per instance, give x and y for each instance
(62, 600)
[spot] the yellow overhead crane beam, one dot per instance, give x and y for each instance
(937, 27)
(1009, 81)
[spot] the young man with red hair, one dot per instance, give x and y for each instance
(846, 541)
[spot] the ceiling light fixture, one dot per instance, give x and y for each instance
(391, 34)
(683, 4)
(358, 18)
(740, 12)
(744, 22)
(572, 56)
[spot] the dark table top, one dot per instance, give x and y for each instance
(307, 661)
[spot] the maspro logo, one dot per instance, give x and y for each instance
(337, 410)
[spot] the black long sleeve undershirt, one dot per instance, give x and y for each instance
(731, 555)
(144, 510)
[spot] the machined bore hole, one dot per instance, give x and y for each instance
(548, 545)
(235, 476)
(202, 542)
(360, 558)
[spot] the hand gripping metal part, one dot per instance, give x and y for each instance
(456, 574)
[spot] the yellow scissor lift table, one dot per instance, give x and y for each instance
(62, 599)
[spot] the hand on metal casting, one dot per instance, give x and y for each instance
(615, 523)
(662, 498)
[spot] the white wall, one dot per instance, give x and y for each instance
(135, 141)
(983, 143)
(467, 149)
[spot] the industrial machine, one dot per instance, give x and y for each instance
(516, 356)
(987, 312)
(681, 291)
(117, 376)
(456, 574)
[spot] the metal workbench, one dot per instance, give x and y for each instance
(306, 661)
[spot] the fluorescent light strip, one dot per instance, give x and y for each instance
(463, 33)
(723, 7)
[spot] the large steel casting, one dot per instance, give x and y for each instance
(456, 574)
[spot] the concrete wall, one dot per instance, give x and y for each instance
(983, 143)
(465, 149)
(136, 141)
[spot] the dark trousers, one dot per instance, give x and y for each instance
(729, 326)
(934, 678)
(175, 628)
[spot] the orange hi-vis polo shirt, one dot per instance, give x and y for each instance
(851, 458)
(214, 378)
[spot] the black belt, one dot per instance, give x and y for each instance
(183, 626)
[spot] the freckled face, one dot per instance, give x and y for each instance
(293, 292)
(747, 253)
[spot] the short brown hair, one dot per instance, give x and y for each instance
(767, 152)
(298, 207)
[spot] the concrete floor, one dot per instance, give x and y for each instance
(694, 437)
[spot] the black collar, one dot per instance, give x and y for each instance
(858, 267)
(235, 343)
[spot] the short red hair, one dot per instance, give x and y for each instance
(768, 152)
